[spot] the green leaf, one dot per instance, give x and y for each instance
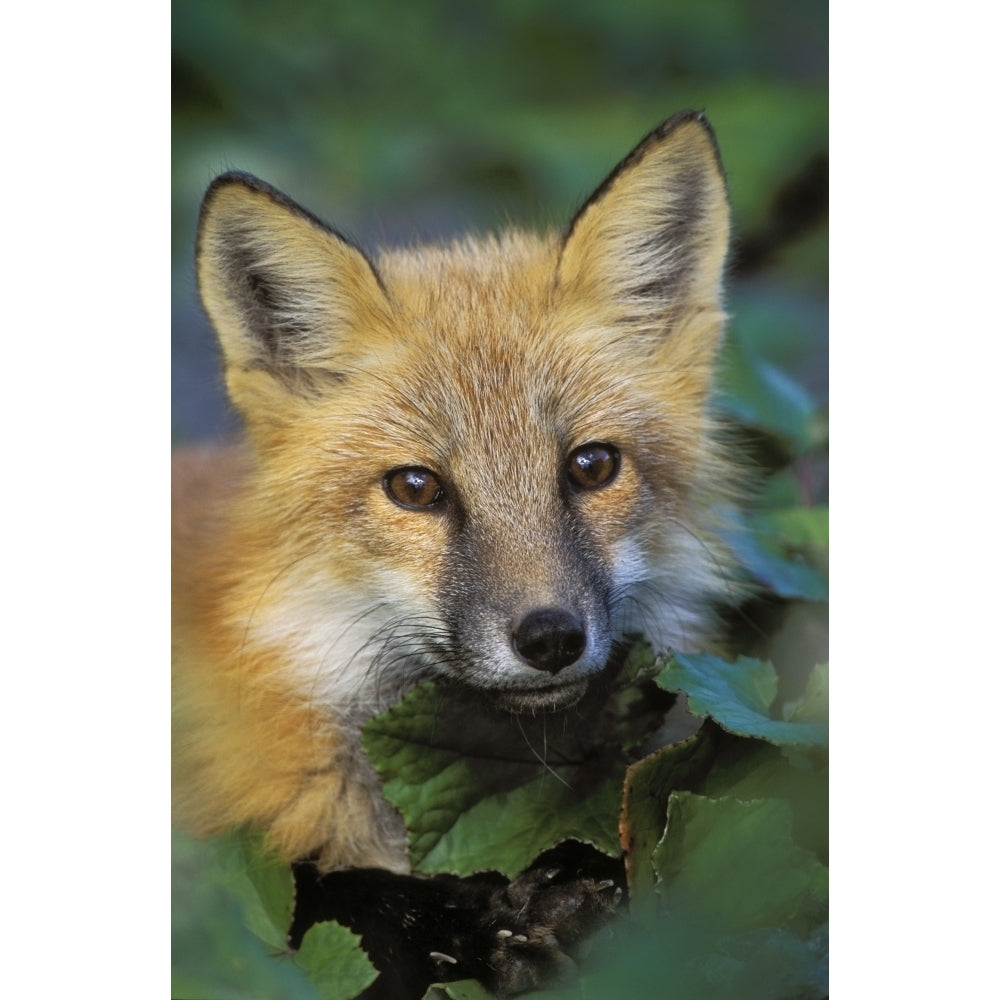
(814, 705)
(770, 964)
(331, 955)
(508, 830)
(798, 527)
(775, 548)
(738, 696)
(335, 961)
(215, 952)
(269, 907)
(682, 960)
(747, 770)
(736, 865)
(782, 489)
(482, 789)
(648, 784)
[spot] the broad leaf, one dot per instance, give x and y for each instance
(335, 961)
(331, 955)
(648, 784)
(269, 907)
(735, 864)
(776, 550)
(738, 696)
(814, 705)
(482, 789)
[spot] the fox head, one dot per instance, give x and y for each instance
(487, 461)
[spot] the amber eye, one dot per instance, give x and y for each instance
(413, 487)
(593, 465)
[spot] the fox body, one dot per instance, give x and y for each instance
(485, 463)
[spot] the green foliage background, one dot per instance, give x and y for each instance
(398, 121)
(403, 121)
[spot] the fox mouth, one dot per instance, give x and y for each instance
(550, 698)
(543, 661)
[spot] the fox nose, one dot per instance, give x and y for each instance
(549, 639)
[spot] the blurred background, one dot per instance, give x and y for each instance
(397, 122)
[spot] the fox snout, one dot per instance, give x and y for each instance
(538, 646)
(526, 595)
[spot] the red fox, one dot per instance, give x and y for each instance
(484, 463)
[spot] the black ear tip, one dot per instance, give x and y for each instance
(238, 179)
(677, 121)
(256, 187)
(681, 118)
(233, 177)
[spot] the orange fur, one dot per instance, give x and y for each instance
(306, 599)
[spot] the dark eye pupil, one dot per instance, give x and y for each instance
(414, 487)
(593, 465)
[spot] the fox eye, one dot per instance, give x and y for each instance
(413, 487)
(593, 465)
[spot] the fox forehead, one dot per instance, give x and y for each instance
(484, 351)
(505, 270)
(484, 308)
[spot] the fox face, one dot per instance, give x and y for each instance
(487, 462)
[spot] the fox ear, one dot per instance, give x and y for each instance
(284, 292)
(651, 242)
